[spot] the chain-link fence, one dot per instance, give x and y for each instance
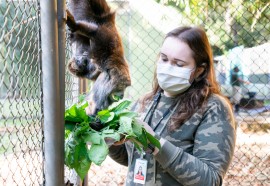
(21, 116)
(72, 92)
(239, 32)
(21, 94)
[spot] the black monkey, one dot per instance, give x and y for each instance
(97, 51)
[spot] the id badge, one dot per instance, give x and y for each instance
(140, 171)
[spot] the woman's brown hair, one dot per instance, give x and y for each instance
(203, 85)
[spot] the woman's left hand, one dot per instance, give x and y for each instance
(146, 126)
(150, 130)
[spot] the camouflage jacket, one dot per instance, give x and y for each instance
(198, 153)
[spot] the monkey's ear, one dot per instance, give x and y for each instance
(87, 29)
(84, 28)
(71, 23)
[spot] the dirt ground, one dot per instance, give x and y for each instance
(250, 165)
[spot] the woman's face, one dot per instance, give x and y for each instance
(178, 53)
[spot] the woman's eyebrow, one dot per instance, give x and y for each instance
(175, 59)
(162, 54)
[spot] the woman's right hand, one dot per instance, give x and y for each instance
(122, 141)
(111, 141)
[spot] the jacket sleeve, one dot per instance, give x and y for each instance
(119, 154)
(214, 143)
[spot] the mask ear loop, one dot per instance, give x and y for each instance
(194, 79)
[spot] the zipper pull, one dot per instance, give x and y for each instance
(142, 154)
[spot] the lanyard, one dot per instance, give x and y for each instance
(153, 108)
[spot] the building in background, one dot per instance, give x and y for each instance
(254, 63)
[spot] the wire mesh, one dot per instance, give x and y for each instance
(21, 116)
(71, 97)
(239, 33)
(72, 92)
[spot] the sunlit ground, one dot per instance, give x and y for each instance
(250, 165)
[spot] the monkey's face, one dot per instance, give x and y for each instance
(81, 64)
(109, 87)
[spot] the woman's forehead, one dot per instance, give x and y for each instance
(176, 49)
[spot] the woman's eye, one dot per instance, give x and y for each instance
(164, 59)
(179, 65)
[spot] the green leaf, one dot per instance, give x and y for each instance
(114, 135)
(93, 137)
(71, 114)
(140, 133)
(75, 153)
(97, 153)
(128, 114)
(70, 145)
(119, 122)
(137, 128)
(137, 146)
(119, 106)
(152, 139)
(82, 161)
(82, 97)
(126, 126)
(67, 133)
(81, 106)
(108, 131)
(81, 111)
(105, 116)
(69, 126)
(73, 119)
(81, 129)
(83, 167)
(76, 113)
(111, 138)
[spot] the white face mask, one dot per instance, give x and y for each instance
(173, 79)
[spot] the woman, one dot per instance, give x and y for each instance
(187, 113)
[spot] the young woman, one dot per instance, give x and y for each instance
(187, 113)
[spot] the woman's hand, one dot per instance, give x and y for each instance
(149, 130)
(146, 126)
(122, 141)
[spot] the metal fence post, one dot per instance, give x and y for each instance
(53, 121)
(61, 12)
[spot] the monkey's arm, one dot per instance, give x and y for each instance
(81, 27)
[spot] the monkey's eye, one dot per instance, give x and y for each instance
(70, 35)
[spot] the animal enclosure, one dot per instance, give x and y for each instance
(34, 80)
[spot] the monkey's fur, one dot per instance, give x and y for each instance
(97, 50)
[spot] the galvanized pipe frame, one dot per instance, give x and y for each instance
(61, 13)
(53, 75)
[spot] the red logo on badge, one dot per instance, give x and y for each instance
(139, 177)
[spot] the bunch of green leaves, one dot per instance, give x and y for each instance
(84, 145)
